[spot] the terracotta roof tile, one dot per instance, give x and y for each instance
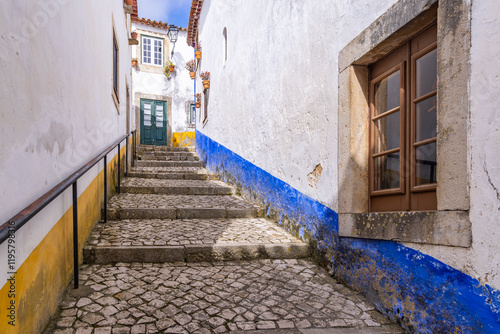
(194, 16)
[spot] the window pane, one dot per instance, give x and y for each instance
(387, 171)
(147, 120)
(426, 73)
(387, 93)
(425, 117)
(387, 132)
(425, 166)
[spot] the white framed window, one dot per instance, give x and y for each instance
(152, 51)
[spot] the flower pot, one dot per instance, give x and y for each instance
(134, 62)
(171, 68)
(133, 34)
(206, 84)
(198, 55)
(192, 74)
(129, 2)
(198, 104)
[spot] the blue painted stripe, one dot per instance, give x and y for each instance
(421, 293)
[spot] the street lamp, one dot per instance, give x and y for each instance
(173, 32)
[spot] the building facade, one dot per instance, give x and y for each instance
(369, 129)
(163, 103)
(65, 96)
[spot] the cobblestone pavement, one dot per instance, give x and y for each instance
(213, 298)
(140, 182)
(160, 295)
(150, 201)
(189, 232)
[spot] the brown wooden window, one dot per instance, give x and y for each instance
(403, 118)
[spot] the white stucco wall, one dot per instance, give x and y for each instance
(275, 100)
(57, 110)
(179, 87)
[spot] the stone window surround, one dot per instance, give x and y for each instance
(188, 114)
(151, 68)
(137, 105)
(450, 224)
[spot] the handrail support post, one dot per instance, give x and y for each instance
(105, 188)
(75, 235)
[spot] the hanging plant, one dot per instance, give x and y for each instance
(191, 67)
(198, 100)
(197, 50)
(205, 76)
(171, 66)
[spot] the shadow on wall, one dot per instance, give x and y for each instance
(417, 291)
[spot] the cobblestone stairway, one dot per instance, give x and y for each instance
(181, 253)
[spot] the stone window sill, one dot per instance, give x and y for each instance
(449, 228)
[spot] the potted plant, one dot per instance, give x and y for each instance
(198, 100)
(134, 61)
(133, 34)
(205, 76)
(197, 50)
(171, 66)
(191, 67)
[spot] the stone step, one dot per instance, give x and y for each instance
(173, 176)
(167, 170)
(174, 187)
(140, 148)
(153, 206)
(146, 157)
(191, 240)
(156, 163)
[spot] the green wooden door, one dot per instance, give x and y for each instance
(153, 122)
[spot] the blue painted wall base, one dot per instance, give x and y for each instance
(417, 291)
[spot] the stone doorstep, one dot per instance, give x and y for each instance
(186, 190)
(173, 176)
(168, 153)
(183, 213)
(147, 157)
(164, 148)
(194, 253)
(156, 163)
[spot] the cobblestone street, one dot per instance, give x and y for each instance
(187, 256)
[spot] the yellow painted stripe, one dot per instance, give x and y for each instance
(42, 278)
(183, 139)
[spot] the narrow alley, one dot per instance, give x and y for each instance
(181, 254)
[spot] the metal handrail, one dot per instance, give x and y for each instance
(16, 222)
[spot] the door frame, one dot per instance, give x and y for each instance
(137, 108)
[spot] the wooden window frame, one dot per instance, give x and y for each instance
(408, 196)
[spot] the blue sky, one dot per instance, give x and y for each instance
(170, 11)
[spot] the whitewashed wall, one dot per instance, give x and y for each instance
(275, 100)
(57, 110)
(179, 87)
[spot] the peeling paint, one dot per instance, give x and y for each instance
(314, 176)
